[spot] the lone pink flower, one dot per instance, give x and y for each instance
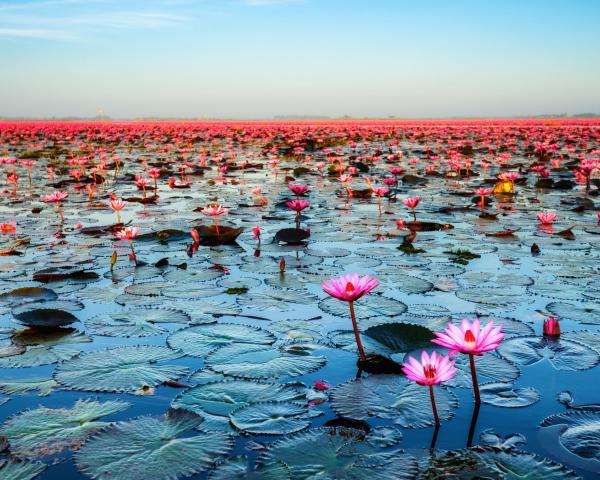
(56, 198)
(128, 233)
(8, 227)
(546, 218)
(472, 340)
(297, 205)
(412, 202)
(117, 205)
(482, 193)
(430, 371)
(215, 210)
(298, 189)
(350, 288)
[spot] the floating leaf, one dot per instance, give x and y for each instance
(45, 318)
(579, 432)
(485, 462)
(237, 468)
(47, 431)
(581, 313)
(331, 453)
(20, 469)
(43, 386)
(261, 361)
(496, 296)
(27, 294)
(149, 447)
(506, 395)
(121, 369)
(391, 397)
(215, 401)
(199, 341)
(35, 356)
(270, 418)
(384, 437)
(562, 354)
(136, 322)
(490, 367)
(400, 337)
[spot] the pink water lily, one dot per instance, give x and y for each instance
(546, 218)
(117, 205)
(412, 202)
(129, 233)
(298, 189)
(551, 327)
(56, 198)
(350, 288)
(430, 371)
(297, 205)
(472, 340)
(215, 210)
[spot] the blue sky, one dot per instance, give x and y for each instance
(259, 58)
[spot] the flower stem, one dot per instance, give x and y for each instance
(474, 377)
(433, 406)
(361, 352)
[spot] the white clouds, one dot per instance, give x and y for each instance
(263, 3)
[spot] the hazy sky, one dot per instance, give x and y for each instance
(259, 58)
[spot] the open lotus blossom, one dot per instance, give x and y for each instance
(215, 210)
(56, 198)
(380, 192)
(297, 205)
(472, 340)
(430, 371)
(412, 202)
(154, 173)
(128, 233)
(8, 227)
(350, 288)
(298, 189)
(117, 205)
(546, 218)
(482, 193)
(551, 327)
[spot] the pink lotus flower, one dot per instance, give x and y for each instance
(55, 197)
(117, 205)
(129, 233)
(483, 192)
(321, 385)
(298, 189)
(350, 288)
(471, 340)
(412, 202)
(256, 232)
(297, 205)
(214, 210)
(551, 327)
(400, 223)
(546, 218)
(255, 191)
(430, 371)
(195, 235)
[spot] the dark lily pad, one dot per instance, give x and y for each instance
(46, 318)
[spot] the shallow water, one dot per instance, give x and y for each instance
(347, 235)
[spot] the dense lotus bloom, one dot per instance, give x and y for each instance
(551, 327)
(8, 227)
(396, 171)
(256, 191)
(412, 202)
(350, 288)
(472, 340)
(128, 233)
(546, 218)
(430, 371)
(298, 189)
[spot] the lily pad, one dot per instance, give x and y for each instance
(216, 400)
(261, 361)
(238, 468)
(199, 341)
(45, 318)
(271, 418)
(391, 397)
(507, 395)
(581, 313)
(579, 432)
(149, 447)
(121, 369)
(562, 354)
(47, 431)
(21, 469)
(135, 322)
(43, 386)
(374, 306)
